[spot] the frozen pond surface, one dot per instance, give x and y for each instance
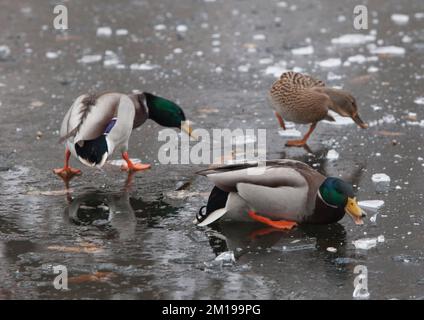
(217, 59)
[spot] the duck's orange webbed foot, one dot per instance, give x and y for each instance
(130, 166)
(301, 143)
(278, 224)
(67, 173)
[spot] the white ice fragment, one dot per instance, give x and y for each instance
(244, 68)
(332, 155)
(120, 162)
(218, 69)
(419, 15)
(419, 100)
(388, 50)
(372, 69)
(178, 50)
(4, 52)
(276, 70)
(353, 39)
(265, 61)
(340, 121)
(331, 249)
(381, 181)
(289, 133)
(182, 28)
(121, 32)
(90, 58)
(143, 66)
(406, 39)
(259, 37)
(372, 205)
(365, 243)
(303, 50)
(52, 55)
(160, 27)
(330, 63)
(282, 4)
(110, 59)
(104, 32)
(227, 256)
(400, 19)
(332, 76)
(375, 107)
(381, 238)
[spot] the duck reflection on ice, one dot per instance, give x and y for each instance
(115, 210)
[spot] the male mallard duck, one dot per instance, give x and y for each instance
(97, 125)
(279, 193)
(302, 99)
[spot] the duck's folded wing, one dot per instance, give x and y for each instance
(300, 81)
(121, 131)
(275, 174)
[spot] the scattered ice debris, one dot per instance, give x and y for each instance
(400, 19)
(277, 69)
(90, 58)
(282, 4)
(332, 76)
(381, 181)
(406, 39)
(178, 50)
(52, 55)
(371, 205)
(121, 32)
(359, 58)
(332, 155)
(4, 52)
(160, 27)
(120, 162)
(372, 69)
(259, 37)
(375, 107)
(303, 50)
(419, 100)
(330, 63)
(265, 61)
(244, 68)
(353, 39)
(331, 249)
(181, 28)
(143, 66)
(388, 50)
(226, 257)
(340, 121)
(419, 15)
(104, 32)
(368, 243)
(290, 133)
(111, 59)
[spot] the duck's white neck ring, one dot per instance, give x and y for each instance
(330, 205)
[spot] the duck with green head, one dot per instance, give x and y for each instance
(97, 125)
(279, 193)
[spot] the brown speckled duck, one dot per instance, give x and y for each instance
(302, 99)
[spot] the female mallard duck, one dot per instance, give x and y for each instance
(279, 193)
(97, 125)
(302, 99)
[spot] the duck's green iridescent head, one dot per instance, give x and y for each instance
(166, 113)
(339, 193)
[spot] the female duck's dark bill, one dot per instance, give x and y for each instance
(359, 121)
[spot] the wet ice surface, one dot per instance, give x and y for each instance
(140, 243)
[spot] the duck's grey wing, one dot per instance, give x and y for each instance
(70, 123)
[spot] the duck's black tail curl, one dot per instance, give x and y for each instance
(217, 200)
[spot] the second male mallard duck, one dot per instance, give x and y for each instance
(280, 193)
(97, 125)
(302, 99)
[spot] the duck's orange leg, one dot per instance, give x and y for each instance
(279, 224)
(130, 166)
(67, 172)
(301, 143)
(281, 121)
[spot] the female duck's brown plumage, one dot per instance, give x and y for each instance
(302, 99)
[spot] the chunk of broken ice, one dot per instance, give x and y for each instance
(330, 63)
(332, 155)
(4, 52)
(121, 32)
(104, 32)
(181, 28)
(372, 205)
(381, 181)
(353, 39)
(290, 133)
(388, 50)
(419, 100)
(226, 257)
(52, 55)
(400, 19)
(365, 243)
(277, 69)
(143, 66)
(90, 58)
(331, 249)
(303, 50)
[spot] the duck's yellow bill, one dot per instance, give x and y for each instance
(187, 128)
(355, 212)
